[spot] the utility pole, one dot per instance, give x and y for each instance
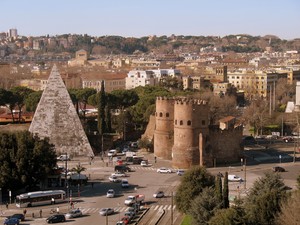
(172, 208)
(245, 174)
(270, 93)
(66, 173)
(274, 97)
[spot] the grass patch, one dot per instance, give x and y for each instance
(187, 220)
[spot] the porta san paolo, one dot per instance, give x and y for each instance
(183, 134)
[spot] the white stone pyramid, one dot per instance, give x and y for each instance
(56, 118)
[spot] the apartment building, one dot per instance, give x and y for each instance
(255, 83)
(137, 78)
(112, 82)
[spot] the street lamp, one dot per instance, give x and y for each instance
(0, 196)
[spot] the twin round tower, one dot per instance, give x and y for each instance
(183, 134)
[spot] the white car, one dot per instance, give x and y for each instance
(119, 174)
(159, 194)
(234, 178)
(106, 211)
(114, 179)
(164, 170)
(110, 193)
(63, 158)
(144, 163)
(74, 213)
(124, 183)
(112, 152)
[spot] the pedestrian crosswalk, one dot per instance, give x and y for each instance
(125, 208)
(143, 168)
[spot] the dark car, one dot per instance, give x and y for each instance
(11, 221)
(19, 216)
(278, 169)
(56, 218)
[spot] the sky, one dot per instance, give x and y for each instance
(139, 18)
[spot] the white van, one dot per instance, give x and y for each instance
(112, 152)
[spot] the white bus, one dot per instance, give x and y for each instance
(40, 198)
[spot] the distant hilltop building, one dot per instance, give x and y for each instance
(12, 33)
(56, 118)
(183, 134)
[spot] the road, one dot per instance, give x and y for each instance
(145, 180)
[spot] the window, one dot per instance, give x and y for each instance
(167, 115)
(175, 122)
(160, 114)
(189, 123)
(181, 122)
(203, 122)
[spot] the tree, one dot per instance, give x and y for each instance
(78, 169)
(228, 216)
(192, 184)
(83, 96)
(257, 115)
(204, 206)
(226, 192)
(123, 98)
(33, 100)
(73, 95)
(25, 160)
(264, 199)
(290, 209)
(20, 93)
(218, 188)
(4, 95)
(101, 110)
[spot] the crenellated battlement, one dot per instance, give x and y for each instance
(190, 101)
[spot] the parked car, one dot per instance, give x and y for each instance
(278, 169)
(126, 220)
(234, 178)
(159, 194)
(144, 163)
(112, 152)
(74, 213)
(11, 221)
(130, 214)
(180, 172)
(110, 193)
(19, 216)
(106, 211)
(288, 139)
(114, 179)
(63, 158)
(119, 174)
(124, 183)
(164, 170)
(56, 218)
(120, 222)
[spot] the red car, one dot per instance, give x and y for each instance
(125, 220)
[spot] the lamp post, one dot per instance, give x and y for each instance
(66, 173)
(0, 196)
(245, 174)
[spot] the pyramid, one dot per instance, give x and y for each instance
(56, 119)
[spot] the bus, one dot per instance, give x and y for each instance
(40, 198)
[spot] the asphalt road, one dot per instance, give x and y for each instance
(145, 180)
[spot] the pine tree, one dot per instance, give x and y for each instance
(218, 188)
(226, 192)
(101, 110)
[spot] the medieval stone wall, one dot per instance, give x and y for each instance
(223, 146)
